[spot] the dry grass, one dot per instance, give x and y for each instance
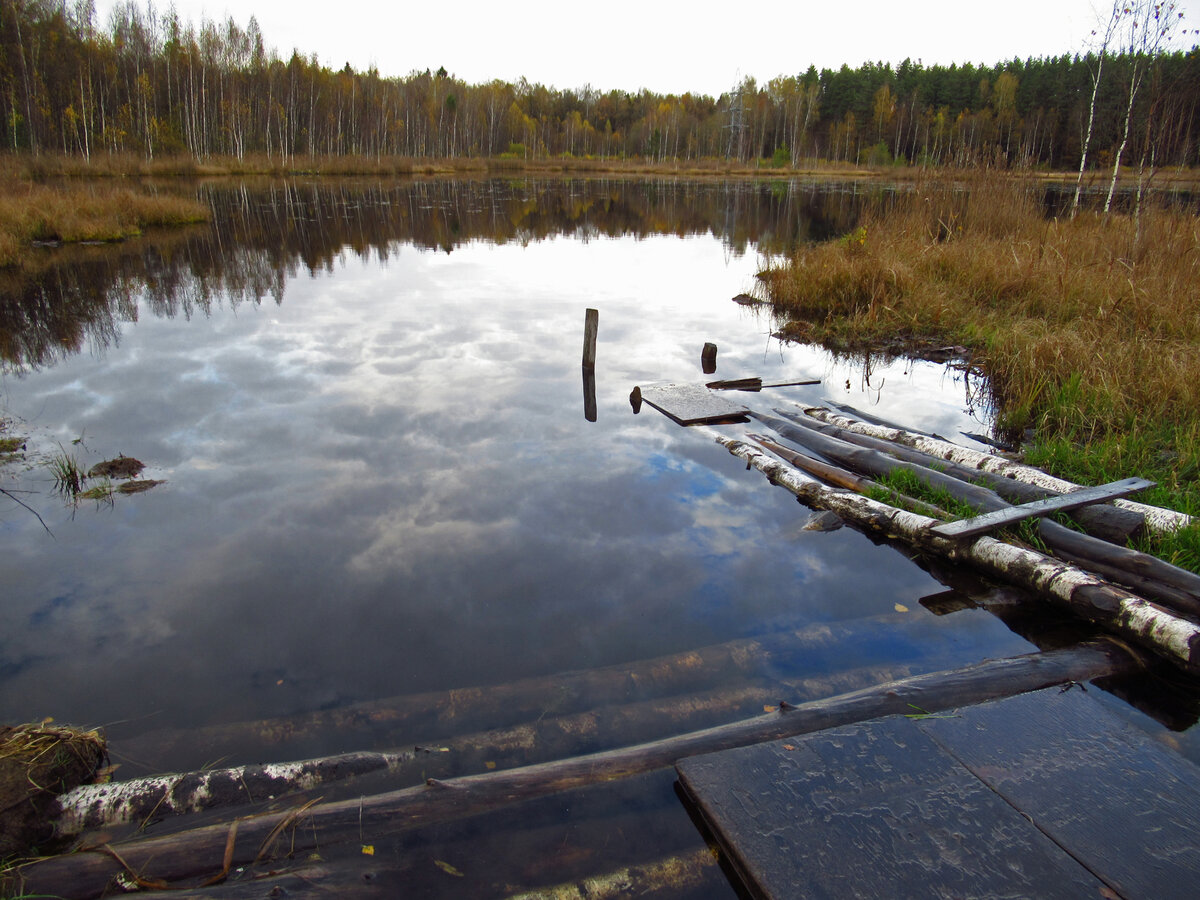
(116, 166)
(37, 762)
(1087, 307)
(84, 212)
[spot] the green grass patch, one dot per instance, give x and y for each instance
(897, 487)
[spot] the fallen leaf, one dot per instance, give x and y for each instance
(789, 746)
(489, 765)
(368, 849)
(447, 868)
(900, 607)
(770, 708)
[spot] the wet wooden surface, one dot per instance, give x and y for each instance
(1046, 794)
(690, 404)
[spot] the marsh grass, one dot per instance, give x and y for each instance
(71, 213)
(68, 475)
(1088, 329)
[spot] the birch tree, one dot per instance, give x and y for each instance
(1145, 28)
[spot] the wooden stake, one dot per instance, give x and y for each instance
(591, 326)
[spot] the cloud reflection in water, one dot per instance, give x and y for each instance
(386, 484)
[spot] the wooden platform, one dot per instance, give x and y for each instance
(1042, 795)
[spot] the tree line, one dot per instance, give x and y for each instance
(150, 84)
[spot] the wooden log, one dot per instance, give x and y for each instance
(550, 737)
(1112, 523)
(681, 872)
(1157, 518)
(1123, 562)
(591, 327)
(838, 476)
(1145, 569)
(708, 358)
(436, 715)
(202, 851)
(870, 462)
(1130, 616)
(124, 802)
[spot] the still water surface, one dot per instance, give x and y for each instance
(366, 402)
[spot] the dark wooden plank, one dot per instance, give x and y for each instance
(1000, 517)
(874, 810)
(1124, 805)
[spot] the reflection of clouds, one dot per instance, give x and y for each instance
(387, 484)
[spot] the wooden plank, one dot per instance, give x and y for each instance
(1046, 794)
(691, 404)
(1126, 806)
(1000, 517)
(875, 810)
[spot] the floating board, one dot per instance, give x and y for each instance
(691, 404)
(1042, 795)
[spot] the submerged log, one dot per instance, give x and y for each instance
(550, 737)
(203, 851)
(1090, 597)
(435, 715)
(1156, 518)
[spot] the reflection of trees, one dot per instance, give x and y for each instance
(263, 234)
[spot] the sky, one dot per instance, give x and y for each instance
(702, 47)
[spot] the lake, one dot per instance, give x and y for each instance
(366, 402)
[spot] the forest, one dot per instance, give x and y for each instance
(147, 83)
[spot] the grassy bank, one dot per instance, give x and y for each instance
(1089, 329)
(83, 212)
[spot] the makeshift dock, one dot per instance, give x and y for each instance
(1041, 795)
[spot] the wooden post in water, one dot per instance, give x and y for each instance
(591, 325)
(708, 358)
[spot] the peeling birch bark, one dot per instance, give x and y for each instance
(1157, 518)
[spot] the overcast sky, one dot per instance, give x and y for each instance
(701, 46)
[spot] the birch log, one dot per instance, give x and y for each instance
(204, 851)
(1159, 579)
(1092, 598)
(1157, 518)
(1111, 523)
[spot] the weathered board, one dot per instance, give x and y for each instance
(691, 404)
(1125, 806)
(1045, 795)
(993, 520)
